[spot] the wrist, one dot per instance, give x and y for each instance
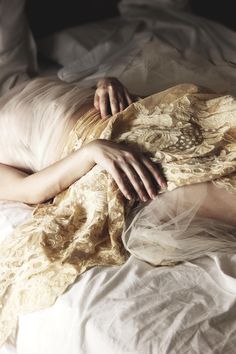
(88, 151)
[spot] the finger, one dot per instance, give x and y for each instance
(155, 171)
(146, 178)
(103, 105)
(96, 101)
(120, 180)
(114, 104)
(122, 101)
(135, 181)
(128, 97)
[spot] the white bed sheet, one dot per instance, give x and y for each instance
(136, 308)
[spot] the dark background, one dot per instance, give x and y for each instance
(48, 16)
(222, 11)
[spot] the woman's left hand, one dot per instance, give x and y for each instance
(111, 97)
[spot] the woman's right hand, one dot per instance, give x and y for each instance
(132, 171)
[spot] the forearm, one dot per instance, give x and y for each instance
(52, 180)
(120, 162)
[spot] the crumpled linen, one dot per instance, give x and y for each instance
(179, 128)
(18, 54)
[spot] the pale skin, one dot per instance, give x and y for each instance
(111, 97)
(134, 173)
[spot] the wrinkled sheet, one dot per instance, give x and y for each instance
(138, 308)
(149, 49)
(135, 308)
(17, 46)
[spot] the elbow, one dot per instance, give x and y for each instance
(38, 193)
(35, 198)
(32, 200)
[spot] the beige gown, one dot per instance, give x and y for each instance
(36, 118)
(189, 131)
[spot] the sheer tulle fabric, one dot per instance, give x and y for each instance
(181, 225)
(38, 116)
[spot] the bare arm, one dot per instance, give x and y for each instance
(43, 185)
(133, 172)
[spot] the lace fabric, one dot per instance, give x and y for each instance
(185, 128)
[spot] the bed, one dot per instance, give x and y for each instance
(137, 308)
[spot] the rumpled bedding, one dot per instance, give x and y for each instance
(138, 308)
(150, 48)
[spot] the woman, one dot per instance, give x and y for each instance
(50, 138)
(83, 171)
(30, 173)
(53, 138)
